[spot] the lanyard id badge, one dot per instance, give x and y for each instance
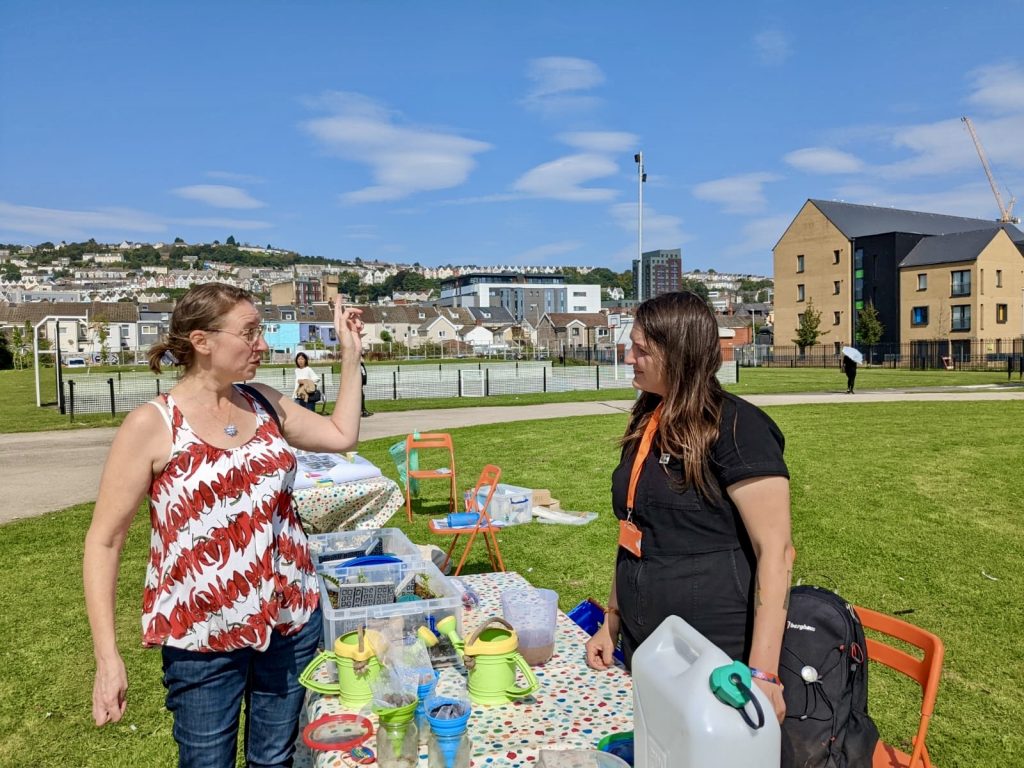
(631, 537)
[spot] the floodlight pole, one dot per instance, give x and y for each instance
(641, 177)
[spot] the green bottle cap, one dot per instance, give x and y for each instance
(724, 684)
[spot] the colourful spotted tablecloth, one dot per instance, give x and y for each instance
(351, 506)
(573, 708)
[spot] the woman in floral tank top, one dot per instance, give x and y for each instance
(230, 594)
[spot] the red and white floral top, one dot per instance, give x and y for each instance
(228, 558)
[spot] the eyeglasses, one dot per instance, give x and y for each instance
(250, 336)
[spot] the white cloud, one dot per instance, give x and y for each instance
(238, 178)
(56, 224)
(601, 141)
(559, 83)
(737, 194)
(219, 196)
(998, 88)
(823, 160)
(402, 159)
(562, 179)
(759, 236)
(361, 232)
(541, 253)
(661, 230)
(772, 46)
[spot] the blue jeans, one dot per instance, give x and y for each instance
(205, 693)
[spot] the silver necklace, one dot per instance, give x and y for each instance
(229, 428)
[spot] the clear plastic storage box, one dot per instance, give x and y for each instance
(333, 548)
(409, 594)
(510, 504)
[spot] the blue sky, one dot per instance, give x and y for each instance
(497, 132)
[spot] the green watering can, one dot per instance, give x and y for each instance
(491, 658)
(357, 665)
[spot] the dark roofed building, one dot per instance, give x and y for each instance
(839, 257)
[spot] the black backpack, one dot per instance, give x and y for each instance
(824, 668)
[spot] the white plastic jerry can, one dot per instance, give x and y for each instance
(680, 721)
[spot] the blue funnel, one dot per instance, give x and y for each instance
(448, 730)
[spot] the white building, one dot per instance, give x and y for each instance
(525, 296)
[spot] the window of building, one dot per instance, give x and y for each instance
(149, 330)
(332, 334)
(575, 331)
(602, 332)
(999, 278)
(800, 292)
(440, 334)
(922, 282)
(835, 257)
(961, 282)
(1001, 310)
(125, 330)
(961, 317)
(835, 317)
(800, 319)
(799, 263)
(858, 258)
(835, 287)
(579, 308)
(577, 294)
(919, 316)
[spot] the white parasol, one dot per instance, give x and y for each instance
(854, 354)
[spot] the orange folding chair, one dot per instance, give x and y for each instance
(925, 671)
(489, 477)
(426, 442)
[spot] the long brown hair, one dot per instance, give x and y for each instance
(201, 308)
(683, 334)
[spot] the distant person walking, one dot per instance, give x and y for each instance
(850, 369)
(362, 373)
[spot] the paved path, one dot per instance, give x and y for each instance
(45, 471)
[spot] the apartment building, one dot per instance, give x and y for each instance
(957, 290)
(524, 296)
(840, 256)
(662, 272)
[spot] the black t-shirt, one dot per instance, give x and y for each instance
(749, 445)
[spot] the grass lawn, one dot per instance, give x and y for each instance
(903, 507)
(20, 414)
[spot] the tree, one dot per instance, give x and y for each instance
(11, 272)
(100, 327)
(6, 358)
(869, 327)
(808, 331)
(385, 336)
(694, 286)
(230, 240)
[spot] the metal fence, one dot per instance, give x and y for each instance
(121, 392)
(965, 355)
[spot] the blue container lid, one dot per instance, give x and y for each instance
(358, 562)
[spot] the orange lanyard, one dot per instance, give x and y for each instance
(641, 456)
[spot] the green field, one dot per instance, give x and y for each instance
(903, 507)
(20, 413)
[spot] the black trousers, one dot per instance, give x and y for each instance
(713, 592)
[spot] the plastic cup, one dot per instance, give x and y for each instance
(533, 613)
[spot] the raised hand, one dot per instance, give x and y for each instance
(349, 326)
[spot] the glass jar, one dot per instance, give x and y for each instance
(398, 744)
(449, 750)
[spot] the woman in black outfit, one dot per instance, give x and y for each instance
(850, 369)
(714, 531)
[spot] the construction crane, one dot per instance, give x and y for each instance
(1005, 211)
